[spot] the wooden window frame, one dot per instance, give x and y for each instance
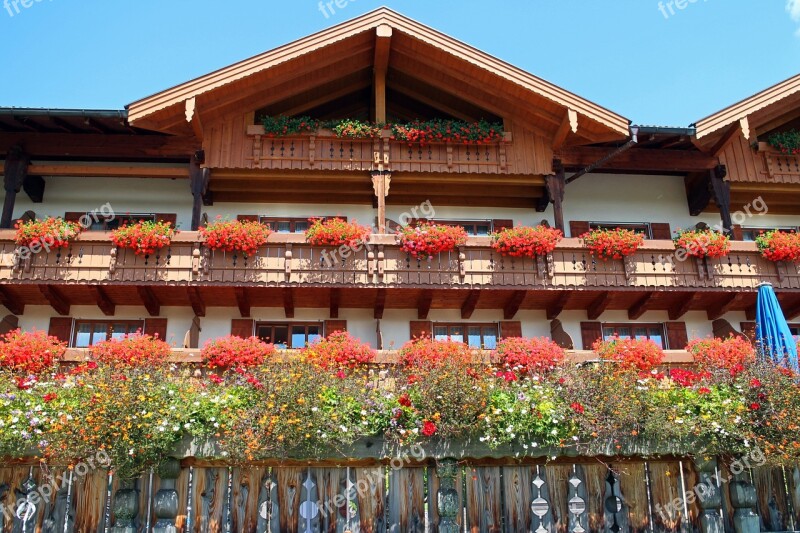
(465, 326)
(289, 326)
(273, 221)
(466, 223)
(756, 230)
(137, 324)
(632, 325)
(645, 227)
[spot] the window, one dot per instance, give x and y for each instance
(642, 227)
(90, 332)
(750, 233)
(479, 336)
(100, 224)
(478, 228)
(795, 329)
(654, 332)
(286, 225)
(289, 335)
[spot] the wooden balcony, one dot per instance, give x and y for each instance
(288, 261)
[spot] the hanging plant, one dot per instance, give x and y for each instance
(779, 245)
(145, 237)
(612, 243)
(356, 129)
(719, 354)
(29, 352)
(281, 126)
(449, 131)
(426, 240)
(703, 243)
(236, 235)
(46, 233)
(337, 232)
(787, 142)
(524, 241)
(529, 356)
(631, 354)
(236, 352)
(339, 351)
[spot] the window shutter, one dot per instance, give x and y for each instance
(661, 231)
(61, 328)
(248, 218)
(591, 332)
(500, 224)
(421, 328)
(736, 232)
(156, 327)
(510, 329)
(172, 218)
(74, 216)
(677, 336)
(243, 328)
(749, 329)
(332, 326)
(578, 228)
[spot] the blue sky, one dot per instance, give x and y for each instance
(631, 56)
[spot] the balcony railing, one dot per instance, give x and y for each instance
(288, 261)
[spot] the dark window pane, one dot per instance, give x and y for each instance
(482, 229)
(283, 226)
(300, 227)
(489, 338)
(83, 337)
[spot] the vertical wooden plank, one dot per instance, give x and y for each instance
(558, 477)
(483, 500)
(633, 490)
(372, 499)
(594, 476)
(667, 498)
(406, 500)
(517, 492)
(690, 480)
(771, 504)
(332, 497)
(290, 481)
(209, 499)
(89, 494)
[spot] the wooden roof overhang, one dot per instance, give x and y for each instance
(418, 60)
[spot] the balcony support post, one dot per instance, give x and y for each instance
(15, 172)
(198, 181)
(381, 181)
(555, 190)
(721, 190)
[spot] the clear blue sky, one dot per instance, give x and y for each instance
(623, 54)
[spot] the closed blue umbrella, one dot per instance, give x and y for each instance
(772, 332)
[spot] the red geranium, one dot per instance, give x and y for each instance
(339, 350)
(30, 352)
(638, 354)
(236, 352)
(426, 353)
(336, 232)
(429, 428)
(703, 243)
(46, 233)
(612, 243)
(404, 400)
(728, 354)
(529, 355)
(426, 240)
(524, 241)
(686, 378)
(145, 237)
(779, 245)
(132, 351)
(578, 408)
(236, 235)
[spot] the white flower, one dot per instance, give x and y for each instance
(130, 452)
(176, 428)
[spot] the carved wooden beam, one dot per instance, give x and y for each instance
(104, 302)
(383, 47)
(424, 304)
(730, 133)
(722, 329)
(34, 188)
(380, 303)
(555, 185)
(15, 170)
(470, 304)
(640, 159)
(10, 302)
(335, 300)
(288, 302)
(193, 118)
(725, 305)
(149, 300)
(560, 336)
(677, 312)
(750, 312)
(641, 306)
(196, 299)
(9, 323)
(599, 305)
(513, 304)
(721, 190)
(242, 301)
(57, 300)
(568, 124)
(558, 306)
(199, 179)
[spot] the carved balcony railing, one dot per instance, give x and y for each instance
(288, 261)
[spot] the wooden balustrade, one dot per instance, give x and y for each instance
(288, 261)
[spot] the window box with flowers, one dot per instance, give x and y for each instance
(426, 240)
(607, 244)
(787, 142)
(779, 246)
(335, 232)
(244, 236)
(703, 243)
(45, 234)
(144, 238)
(524, 241)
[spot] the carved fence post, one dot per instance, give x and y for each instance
(126, 507)
(447, 496)
(709, 496)
(165, 504)
(743, 499)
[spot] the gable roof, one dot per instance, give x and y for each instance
(757, 109)
(165, 108)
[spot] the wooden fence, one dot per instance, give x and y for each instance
(586, 495)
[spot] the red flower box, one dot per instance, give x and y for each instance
(631, 354)
(236, 352)
(145, 237)
(703, 243)
(779, 245)
(612, 243)
(530, 356)
(29, 352)
(339, 350)
(524, 241)
(426, 353)
(718, 354)
(236, 236)
(426, 240)
(132, 351)
(46, 233)
(337, 232)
